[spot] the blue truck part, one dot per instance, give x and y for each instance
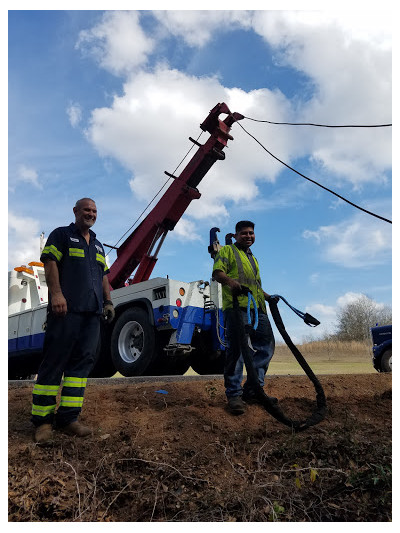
(382, 348)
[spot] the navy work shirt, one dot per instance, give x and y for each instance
(81, 268)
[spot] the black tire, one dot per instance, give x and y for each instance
(133, 343)
(386, 361)
(167, 365)
(24, 367)
(104, 366)
(205, 360)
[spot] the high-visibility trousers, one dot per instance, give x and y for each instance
(69, 350)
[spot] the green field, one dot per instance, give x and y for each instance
(324, 357)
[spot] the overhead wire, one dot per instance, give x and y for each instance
(155, 196)
(322, 125)
(313, 181)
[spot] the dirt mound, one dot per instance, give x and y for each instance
(169, 451)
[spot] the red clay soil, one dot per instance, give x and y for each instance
(181, 456)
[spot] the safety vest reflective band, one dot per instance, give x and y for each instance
(74, 382)
(45, 390)
(101, 259)
(243, 280)
(76, 252)
(71, 401)
(43, 410)
(237, 266)
(52, 250)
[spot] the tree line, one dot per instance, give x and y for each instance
(355, 319)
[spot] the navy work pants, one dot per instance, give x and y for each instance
(263, 342)
(69, 350)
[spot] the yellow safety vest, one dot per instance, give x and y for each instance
(235, 263)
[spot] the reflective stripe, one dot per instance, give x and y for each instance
(243, 280)
(222, 259)
(43, 410)
(71, 401)
(52, 250)
(74, 382)
(239, 267)
(46, 390)
(76, 252)
(101, 259)
(252, 283)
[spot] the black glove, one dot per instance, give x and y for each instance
(108, 311)
(273, 299)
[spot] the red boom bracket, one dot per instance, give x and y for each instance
(137, 249)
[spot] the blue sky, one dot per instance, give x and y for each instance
(100, 103)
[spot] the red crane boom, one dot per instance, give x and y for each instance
(137, 249)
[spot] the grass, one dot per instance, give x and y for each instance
(324, 357)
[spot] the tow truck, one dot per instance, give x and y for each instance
(162, 326)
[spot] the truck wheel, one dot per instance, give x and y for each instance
(104, 366)
(204, 359)
(386, 361)
(26, 367)
(133, 343)
(166, 365)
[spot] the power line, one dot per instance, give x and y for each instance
(313, 181)
(322, 125)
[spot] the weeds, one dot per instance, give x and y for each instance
(169, 468)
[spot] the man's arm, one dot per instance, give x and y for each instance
(58, 302)
(108, 307)
(106, 289)
(224, 279)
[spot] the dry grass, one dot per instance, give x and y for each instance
(325, 357)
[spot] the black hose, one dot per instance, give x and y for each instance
(270, 405)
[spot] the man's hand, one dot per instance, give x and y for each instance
(108, 311)
(234, 286)
(59, 304)
(222, 278)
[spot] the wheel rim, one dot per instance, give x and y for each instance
(131, 342)
(390, 363)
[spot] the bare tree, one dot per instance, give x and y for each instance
(355, 319)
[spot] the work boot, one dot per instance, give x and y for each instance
(76, 429)
(236, 405)
(250, 398)
(44, 435)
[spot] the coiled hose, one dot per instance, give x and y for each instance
(271, 406)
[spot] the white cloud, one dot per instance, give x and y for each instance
(118, 43)
(147, 128)
(24, 231)
(199, 27)
(348, 298)
(351, 297)
(74, 112)
(347, 57)
(327, 314)
(355, 243)
(28, 175)
(321, 309)
(186, 230)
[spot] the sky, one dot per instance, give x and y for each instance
(101, 103)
